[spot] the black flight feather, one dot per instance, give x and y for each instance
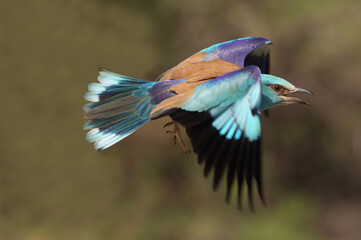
(232, 158)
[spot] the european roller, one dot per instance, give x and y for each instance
(217, 95)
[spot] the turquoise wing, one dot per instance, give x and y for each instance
(222, 119)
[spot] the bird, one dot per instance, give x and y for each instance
(217, 95)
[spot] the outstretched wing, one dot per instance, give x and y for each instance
(236, 51)
(220, 59)
(221, 118)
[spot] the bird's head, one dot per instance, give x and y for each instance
(275, 92)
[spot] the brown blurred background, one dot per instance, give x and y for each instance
(54, 185)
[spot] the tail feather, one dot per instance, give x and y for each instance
(103, 122)
(95, 100)
(113, 108)
(119, 106)
(100, 95)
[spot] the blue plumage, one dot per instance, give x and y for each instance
(120, 105)
(230, 99)
(217, 94)
(235, 51)
(160, 91)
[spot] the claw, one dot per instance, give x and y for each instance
(177, 136)
(168, 124)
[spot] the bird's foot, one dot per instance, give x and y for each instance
(177, 136)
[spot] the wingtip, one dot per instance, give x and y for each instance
(228, 196)
(261, 194)
(215, 186)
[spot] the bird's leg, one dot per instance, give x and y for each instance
(178, 136)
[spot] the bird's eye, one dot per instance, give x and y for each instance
(277, 88)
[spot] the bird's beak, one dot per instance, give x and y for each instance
(301, 90)
(289, 100)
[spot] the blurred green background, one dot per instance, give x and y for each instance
(54, 185)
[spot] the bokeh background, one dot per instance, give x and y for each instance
(54, 185)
